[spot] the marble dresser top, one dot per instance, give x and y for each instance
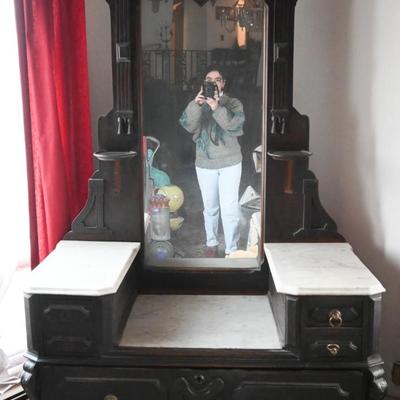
(201, 322)
(319, 269)
(83, 268)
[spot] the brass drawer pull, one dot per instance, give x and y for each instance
(110, 397)
(333, 349)
(335, 319)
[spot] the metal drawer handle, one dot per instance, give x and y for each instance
(110, 397)
(333, 349)
(199, 379)
(335, 319)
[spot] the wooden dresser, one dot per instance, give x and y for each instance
(299, 322)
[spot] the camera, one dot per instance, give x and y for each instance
(209, 89)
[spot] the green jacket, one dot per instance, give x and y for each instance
(215, 132)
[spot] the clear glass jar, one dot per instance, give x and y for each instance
(160, 229)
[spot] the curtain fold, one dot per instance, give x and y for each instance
(54, 76)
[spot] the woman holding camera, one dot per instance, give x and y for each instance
(216, 120)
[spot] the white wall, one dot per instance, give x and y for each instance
(160, 19)
(202, 30)
(347, 63)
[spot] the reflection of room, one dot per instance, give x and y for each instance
(181, 42)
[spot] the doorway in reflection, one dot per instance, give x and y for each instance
(203, 71)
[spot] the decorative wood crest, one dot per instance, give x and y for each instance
(183, 390)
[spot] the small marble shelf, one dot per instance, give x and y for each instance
(114, 155)
(290, 155)
(319, 269)
(201, 322)
(83, 268)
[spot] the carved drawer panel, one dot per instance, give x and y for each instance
(65, 344)
(67, 325)
(111, 383)
(109, 388)
(67, 313)
(333, 348)
(291, 390)
(346, 312)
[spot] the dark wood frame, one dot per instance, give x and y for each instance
(115, 206)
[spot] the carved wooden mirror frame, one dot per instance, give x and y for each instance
(114, 210)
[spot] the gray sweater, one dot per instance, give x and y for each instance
(215, 132)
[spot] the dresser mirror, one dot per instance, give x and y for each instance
(203, 169)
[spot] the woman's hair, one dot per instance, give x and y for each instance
(219, 70)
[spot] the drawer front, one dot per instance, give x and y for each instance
(108, 388)
(63, 325)
(68, 326)
(108, 383)
(333, 348)
(292, 390)
(346, 312)
(81, 383)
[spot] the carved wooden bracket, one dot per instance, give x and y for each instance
(378, 385)
(91, 218)
(315, 219)
(29, 380)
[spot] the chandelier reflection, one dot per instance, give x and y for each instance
(247, 14)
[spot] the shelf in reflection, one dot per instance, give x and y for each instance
(114, 155)
(290, 155)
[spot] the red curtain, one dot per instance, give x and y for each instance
(54, 76)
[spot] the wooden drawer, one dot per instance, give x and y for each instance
(63, 325)
(336, 312)
(333, 348)
(110, 383)
(68, 325)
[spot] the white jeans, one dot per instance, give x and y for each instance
(220, 189)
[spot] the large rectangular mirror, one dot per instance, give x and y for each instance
(203, 72)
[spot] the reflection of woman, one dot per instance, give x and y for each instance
(216, 123)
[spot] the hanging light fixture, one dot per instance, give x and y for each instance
(248, 14)
(241, 26)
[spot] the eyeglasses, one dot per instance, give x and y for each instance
(219, 80)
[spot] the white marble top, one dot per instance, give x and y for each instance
(201, 322)
(319, 269)
(84, 268)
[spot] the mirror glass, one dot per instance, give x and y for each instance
(203, 76)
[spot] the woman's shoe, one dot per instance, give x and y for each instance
(211, 252)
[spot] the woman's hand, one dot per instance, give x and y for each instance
(200, 99)
(213, 102)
